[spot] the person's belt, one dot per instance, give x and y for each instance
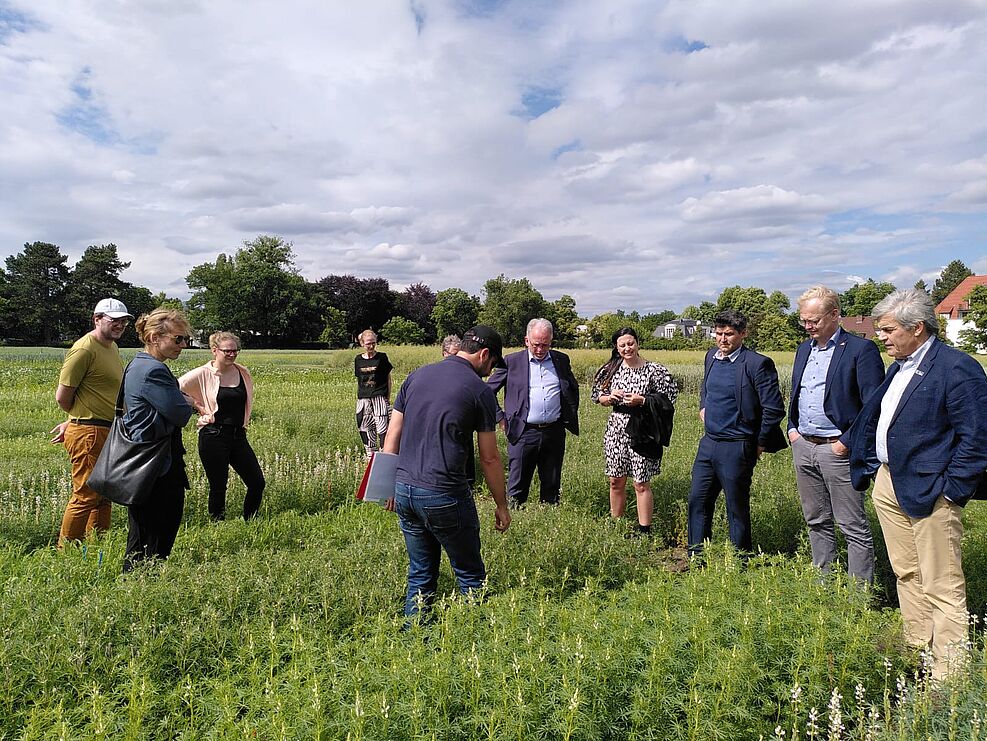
(817, 440)
(93, 422)
(543, 425)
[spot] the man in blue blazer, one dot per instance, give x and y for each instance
(741, 407)
(922, 437)
(541, 402)
(835, 373)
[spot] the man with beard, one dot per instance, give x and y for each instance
(436, 412)
(87, 390)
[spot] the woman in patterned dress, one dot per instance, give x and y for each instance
(623, 383)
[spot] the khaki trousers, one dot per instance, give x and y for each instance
(925, 555)
(86, 510)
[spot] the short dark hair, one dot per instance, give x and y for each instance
(731, 318)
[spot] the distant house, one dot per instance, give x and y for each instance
(583, 338)
(955, 307)
(685, 327)
(862, 326)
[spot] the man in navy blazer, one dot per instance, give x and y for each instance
(835, 373)
(541, 402)
(922, 437)
(741, 407)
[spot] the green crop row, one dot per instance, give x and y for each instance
(289, 626)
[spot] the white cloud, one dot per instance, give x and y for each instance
(790, 142)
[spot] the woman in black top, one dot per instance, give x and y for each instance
(223, 392)
(373, 392)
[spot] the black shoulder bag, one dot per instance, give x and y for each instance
(126, 471)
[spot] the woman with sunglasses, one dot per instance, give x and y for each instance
(223, 393)
(156, 409)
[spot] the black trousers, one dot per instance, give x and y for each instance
(539, 448)
(155, 522)
(222, 447)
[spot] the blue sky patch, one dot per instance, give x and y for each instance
(682, 45)
(574, 146)
(13, 21)
(480, 8)
(91, 119)
(538, 100)
(419, 13)
(846, 222)
(87, 117)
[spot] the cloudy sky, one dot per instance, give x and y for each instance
(636, 155)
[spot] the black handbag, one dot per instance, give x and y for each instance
(126, 471)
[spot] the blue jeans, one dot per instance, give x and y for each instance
(432, 521)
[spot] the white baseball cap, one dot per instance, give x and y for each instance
(112, 308)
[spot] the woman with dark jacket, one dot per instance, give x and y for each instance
(625, 383)
(156, 409)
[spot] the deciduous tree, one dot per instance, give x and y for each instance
(416, 303)
(861, 298)
(455, 311)
(399, 330)
(974, 339)
(257, 293)
(366, 302)
(564, 321)
(510, 304)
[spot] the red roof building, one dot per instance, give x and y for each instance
(862, 326)
(955, 305)
(954, 308)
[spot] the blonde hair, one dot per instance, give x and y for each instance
(216, 337)
(161, 321)
(364, 333)
(829, 298)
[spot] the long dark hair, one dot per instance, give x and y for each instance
(606, 372)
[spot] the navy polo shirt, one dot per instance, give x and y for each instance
(443, 405)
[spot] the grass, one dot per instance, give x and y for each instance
(289, 626)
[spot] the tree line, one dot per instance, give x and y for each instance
(258, 293)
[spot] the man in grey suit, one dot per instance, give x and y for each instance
(541, 402)
(835, 372)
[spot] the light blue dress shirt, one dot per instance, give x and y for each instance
(812, 396)
(544, 391)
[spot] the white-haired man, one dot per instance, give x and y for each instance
(921, 437)
(541, 402)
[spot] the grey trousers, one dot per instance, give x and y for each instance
(828, 497)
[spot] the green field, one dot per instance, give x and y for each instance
(290, 627)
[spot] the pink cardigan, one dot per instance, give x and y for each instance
(202, 385)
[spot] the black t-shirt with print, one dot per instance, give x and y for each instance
(371, 375)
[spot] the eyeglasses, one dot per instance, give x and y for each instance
(813, 322)
(113, 320)
(181, 339)
(223, 350)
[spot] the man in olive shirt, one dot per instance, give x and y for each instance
(87, 389)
